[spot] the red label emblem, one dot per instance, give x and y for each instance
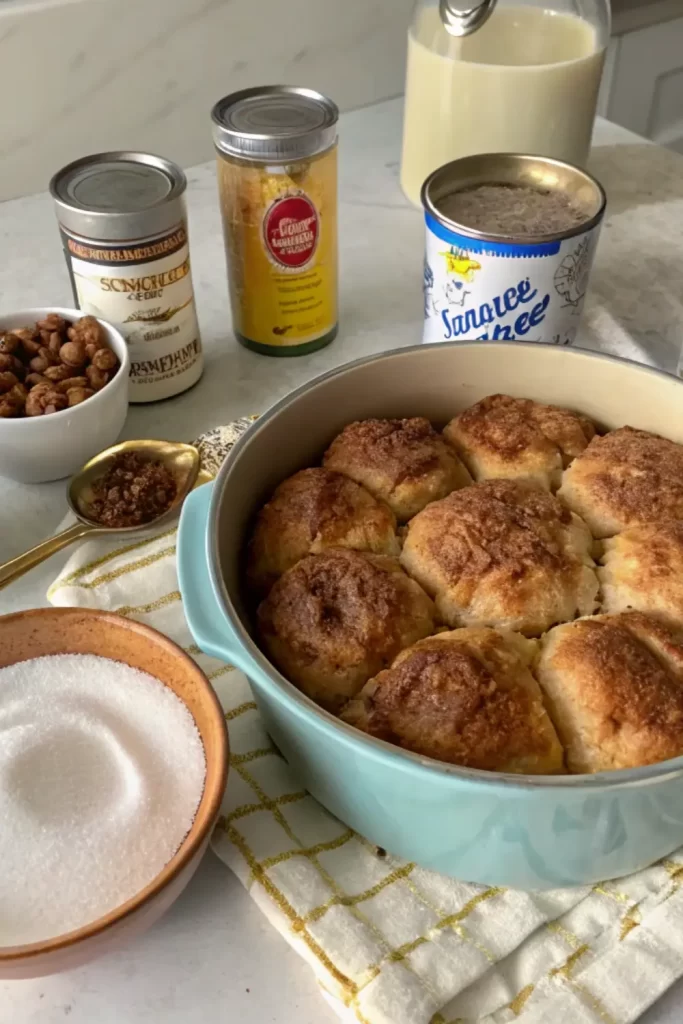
(290, 231)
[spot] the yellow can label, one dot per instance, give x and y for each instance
(280, 226)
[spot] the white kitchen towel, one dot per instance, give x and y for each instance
(390, 942)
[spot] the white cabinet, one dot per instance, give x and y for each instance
(643, 84)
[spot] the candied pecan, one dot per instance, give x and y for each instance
(58, 373)
(19, 370)
(9, 344)
(31, 347)
(73, 354)
(20, 393)
(9, 406)
(55, 342)
(92, 347)
(104, 359)
(96, 378)
(25, 334)
(72, 382)
(43, 399)
(39, 363)
(89, 331)
(53, 322)
(55, 401)
(75, 396)
(8, 362)
(7, 381)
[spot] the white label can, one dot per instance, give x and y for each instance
(123, 227)
(494, 288)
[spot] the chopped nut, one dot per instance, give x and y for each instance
(73, 354)
(96, 378)
(35, 378)
(132, 492)
(75, 396)
(7, 381)
(104, 359)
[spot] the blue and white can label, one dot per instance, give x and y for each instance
(479, 290)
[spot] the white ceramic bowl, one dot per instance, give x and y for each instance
(35, 449)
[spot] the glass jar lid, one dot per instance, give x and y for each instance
(274, 123)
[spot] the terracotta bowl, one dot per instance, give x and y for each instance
(33, 634)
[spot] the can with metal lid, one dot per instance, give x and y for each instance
(277, 180)
(490, 281)
(124, 231)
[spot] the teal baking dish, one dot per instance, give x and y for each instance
(530, 832)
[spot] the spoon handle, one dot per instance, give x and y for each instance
(16, 567)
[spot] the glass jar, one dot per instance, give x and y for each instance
(501, 76)
(277, 182)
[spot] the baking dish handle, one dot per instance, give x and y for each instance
(208, 625)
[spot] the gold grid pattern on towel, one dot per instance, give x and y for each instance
(300, 922)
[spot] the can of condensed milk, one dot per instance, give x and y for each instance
(509, 249)
(124, 230)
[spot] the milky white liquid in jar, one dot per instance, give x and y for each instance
(527, 81)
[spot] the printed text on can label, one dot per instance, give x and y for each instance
(492, 291)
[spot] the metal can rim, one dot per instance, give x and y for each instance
(549, 163)
(159, 216)
(303, 143)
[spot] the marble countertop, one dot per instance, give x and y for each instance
(213, 957)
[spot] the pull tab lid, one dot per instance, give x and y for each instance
(462, 17)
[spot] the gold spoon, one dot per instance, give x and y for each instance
(182, 460)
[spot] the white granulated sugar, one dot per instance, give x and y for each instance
(101, 773)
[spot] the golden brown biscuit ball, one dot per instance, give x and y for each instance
(335, 619)
(625, 478)
(642, 570)
(502, 553)
(309, 512)
(403, 462)
(466, 697)
(614, 689)
(515, 438)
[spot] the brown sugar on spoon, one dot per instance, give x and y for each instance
(133, 491)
